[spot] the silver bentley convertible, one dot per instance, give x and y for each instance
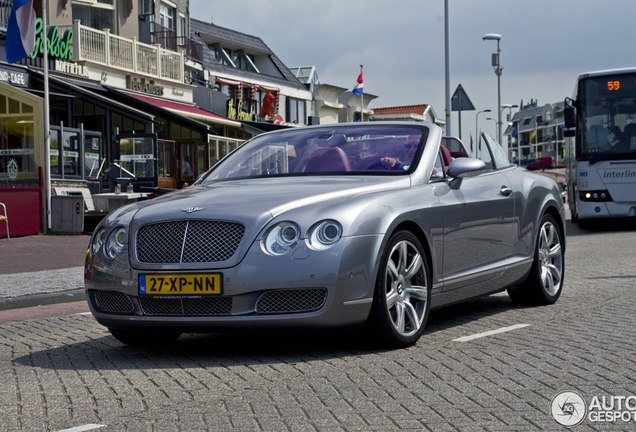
(328, 226)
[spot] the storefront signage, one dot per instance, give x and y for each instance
(12, 169)
(176, 92)
(238, 113)
(18, 79)
(141, 85)
(61, 48)
(71, 68)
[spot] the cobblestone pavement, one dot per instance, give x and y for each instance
(67, 371)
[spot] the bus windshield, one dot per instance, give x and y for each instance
(607, 110)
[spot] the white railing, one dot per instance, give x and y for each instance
(111, 50)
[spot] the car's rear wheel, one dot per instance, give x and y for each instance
(545, 281)
(402, 295)
(143, 338)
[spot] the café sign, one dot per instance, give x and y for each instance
(143, 85)
(238, 113)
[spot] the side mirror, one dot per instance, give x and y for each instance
(569, 116)
(464, 167)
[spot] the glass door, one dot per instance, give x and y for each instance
(136, 154)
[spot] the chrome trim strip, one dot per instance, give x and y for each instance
(185, 236)
(356, 302)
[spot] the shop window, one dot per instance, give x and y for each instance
(14, 106)
(116, 121)
(128, 124)
(165, 157)
(139, 127)
(3, 104)
(201, 156)
(89, 109)
(100, 111)
(16, 144)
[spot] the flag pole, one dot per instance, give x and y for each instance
(47, 132)
(361, 103)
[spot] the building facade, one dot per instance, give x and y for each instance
(536, 131)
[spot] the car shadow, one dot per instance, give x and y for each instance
(219, 350)
(599, 226)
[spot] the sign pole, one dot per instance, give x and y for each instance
(47, 132)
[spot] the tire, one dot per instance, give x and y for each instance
(545, 280)
(142, 338)
(402, 297)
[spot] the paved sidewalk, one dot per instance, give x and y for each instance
(42, 269)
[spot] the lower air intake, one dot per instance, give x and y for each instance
(204, 306)
(291, 300)
(113, 302)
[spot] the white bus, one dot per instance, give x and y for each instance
(601, 148)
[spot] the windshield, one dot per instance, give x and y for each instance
(607, 118)
(369, 149)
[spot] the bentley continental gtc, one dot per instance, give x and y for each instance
(371, 224)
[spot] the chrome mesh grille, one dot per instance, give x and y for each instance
(291, 300)
(113, 302)
(205, 241)
(186, 306)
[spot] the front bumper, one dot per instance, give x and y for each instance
(304, 288)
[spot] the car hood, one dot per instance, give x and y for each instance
(255, 202)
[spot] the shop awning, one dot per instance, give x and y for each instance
(187, 110)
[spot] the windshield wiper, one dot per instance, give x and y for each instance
(620, 156)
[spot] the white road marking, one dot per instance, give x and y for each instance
(490, 333)
(86, 427)
(85, 313)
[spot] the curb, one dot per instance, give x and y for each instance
(42, 299)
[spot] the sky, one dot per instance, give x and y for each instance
(545, 45)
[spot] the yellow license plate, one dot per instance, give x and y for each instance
(180, 284)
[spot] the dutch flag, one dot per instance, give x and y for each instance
(357, 90)
(20, 31)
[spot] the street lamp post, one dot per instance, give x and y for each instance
(495, 120)
(478, 137)
(510, 107)
(498, 68)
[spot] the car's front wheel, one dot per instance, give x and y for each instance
(545, 281)
(142, 338)
(402, 295)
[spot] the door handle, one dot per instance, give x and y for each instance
(505, 191)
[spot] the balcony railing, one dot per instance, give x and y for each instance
(168, 38)
(102, 47)
(191, 48)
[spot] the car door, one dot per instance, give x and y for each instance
(478, 227)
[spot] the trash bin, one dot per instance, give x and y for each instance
(67, 214)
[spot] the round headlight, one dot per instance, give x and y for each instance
(324, 234)
(98, 240)
(116, 242)
(280, 238)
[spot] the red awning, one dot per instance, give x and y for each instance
(227, 81)
(187, 110)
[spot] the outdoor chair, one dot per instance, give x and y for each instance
(5, 219)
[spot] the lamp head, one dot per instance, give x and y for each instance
(492, 36)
